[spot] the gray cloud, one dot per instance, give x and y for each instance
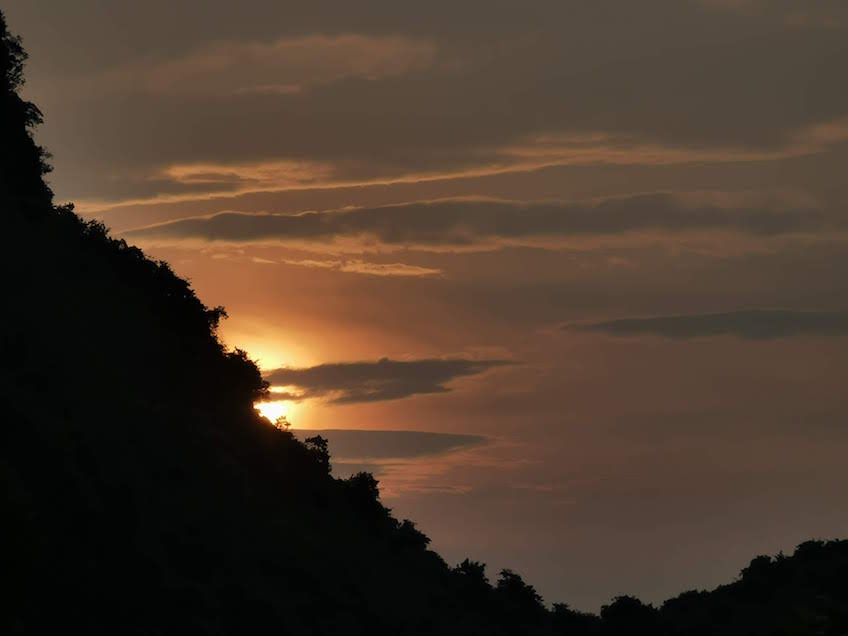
(376, 445)
(753, 324)
(351, 382)
(282, 67)
(459, 222)
(389, 454)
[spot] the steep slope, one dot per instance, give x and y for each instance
(144, 489)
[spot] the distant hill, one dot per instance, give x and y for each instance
(142, 494)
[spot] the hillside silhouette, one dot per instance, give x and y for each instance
(142, 493)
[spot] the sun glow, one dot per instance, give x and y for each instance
(273, 411)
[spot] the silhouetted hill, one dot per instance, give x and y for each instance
(142, 494)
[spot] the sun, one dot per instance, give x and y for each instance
(273, 411)
(281, 402)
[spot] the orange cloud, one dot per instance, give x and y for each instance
(357, 266)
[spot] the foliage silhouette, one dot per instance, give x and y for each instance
(142, 494)
(22, 163)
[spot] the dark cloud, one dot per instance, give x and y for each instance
(349, 445)
(387, 454)
(753, 324)
(350, 382)
(459, 222)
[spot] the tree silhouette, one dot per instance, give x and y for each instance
(629, 614)
(318, 446)
(23, 164)
(521, 605)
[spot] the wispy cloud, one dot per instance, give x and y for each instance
(465, 222)
(357, 266)
(185, 182)
(753, 324)
(377, 445)
(405, 462)
(385, 379)
(285, 66)
(828, 14)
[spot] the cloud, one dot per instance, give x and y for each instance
(387, 269)
(377, 93)
(752, 324)
(282, 67)
(186, 182)
(370, 445)
(828, 14)
(465, 222)
(352, 382)
(404, 461)
(356, 266)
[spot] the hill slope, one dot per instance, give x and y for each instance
(142, 494)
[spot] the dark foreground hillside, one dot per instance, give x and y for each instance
(142, 494)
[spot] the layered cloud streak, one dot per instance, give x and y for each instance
(466, 222)
(753, 324)
(385, 379)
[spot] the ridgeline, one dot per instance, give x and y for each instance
(142, 494)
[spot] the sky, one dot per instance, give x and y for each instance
(570, 278)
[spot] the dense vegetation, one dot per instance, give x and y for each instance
(142, 494)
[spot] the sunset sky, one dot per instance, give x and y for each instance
(577, 272)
